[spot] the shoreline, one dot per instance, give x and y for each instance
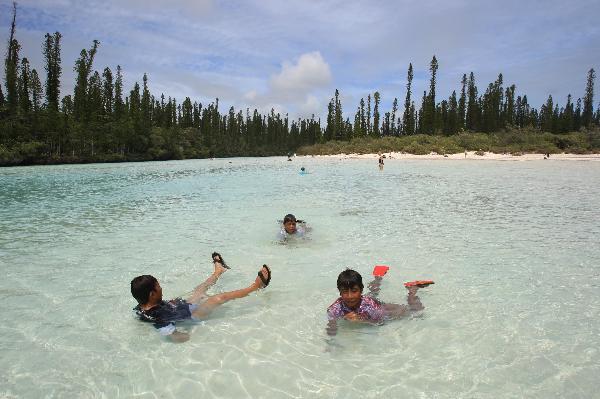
(470, 156)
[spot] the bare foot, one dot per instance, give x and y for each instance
(219, 267)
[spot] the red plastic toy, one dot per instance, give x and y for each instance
(380, 270)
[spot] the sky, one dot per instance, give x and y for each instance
(292, 55)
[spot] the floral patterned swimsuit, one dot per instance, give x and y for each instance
(370, 309)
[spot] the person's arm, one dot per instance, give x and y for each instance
(331, 327)
(169, 331)
(282, 235)
(353, 316)
(371, 312)
(332, 316)
(357, 318)
(179, 337)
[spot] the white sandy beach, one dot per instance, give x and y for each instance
(471, 155)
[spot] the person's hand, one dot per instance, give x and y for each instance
(352, 316)
(179, 337)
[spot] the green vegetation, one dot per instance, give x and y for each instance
(102, 122)
(515, 142)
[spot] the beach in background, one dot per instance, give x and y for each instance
(470, 155)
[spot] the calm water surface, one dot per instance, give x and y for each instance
(513, 248)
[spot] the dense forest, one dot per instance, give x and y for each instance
(102, 122)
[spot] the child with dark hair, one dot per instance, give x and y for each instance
(291, 227)
(164, 315)
(353, 306)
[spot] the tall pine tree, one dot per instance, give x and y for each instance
(376, 130)
(462, 103)
(408, 118)
(11, 67)
(53, 70)
(83, 69)
(587, 114)
(472, 117)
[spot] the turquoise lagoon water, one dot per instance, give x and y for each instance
(513, 248)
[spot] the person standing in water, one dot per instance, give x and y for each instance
(380, 162)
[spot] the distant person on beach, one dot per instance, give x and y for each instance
(292, 228)
(380, 162)
(165, 314)
(353, 306)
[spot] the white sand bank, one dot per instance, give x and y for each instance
(471, 156)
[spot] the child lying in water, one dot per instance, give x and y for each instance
(165, 314)
(352, 305)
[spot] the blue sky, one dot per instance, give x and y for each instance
(291, 55)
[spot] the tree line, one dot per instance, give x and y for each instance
(102, 122)
(496, 109)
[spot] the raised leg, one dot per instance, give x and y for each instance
(199, 292)
(217, 300)
(374, 287)
(414, 302)
(395, 311)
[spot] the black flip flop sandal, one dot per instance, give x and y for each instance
(262, 278)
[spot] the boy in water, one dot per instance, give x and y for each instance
(152, 308)
(352, 305)
(290, 227)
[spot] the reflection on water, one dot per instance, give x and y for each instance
(512, 248)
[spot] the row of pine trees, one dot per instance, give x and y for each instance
(100, 121)
(498, 108)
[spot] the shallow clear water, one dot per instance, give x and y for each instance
(512, 246)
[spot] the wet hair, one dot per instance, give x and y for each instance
(348, 279)
(141, 286)
(289, 218)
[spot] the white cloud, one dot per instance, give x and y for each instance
(294, 89)
(250, 96)
(311, 106)
(293, 54)
(310, 72)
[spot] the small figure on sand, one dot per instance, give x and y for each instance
(165, 314)
(353, 306)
